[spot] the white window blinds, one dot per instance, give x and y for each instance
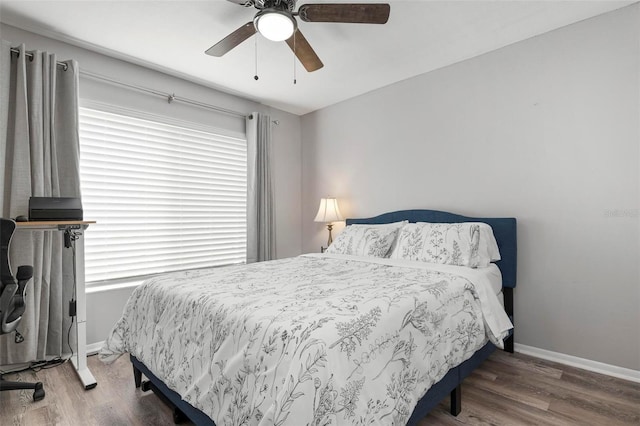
(165, 197)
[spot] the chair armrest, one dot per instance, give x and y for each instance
(25, 273)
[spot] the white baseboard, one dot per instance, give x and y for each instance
(574, 361)
(585, 364)
(94, 348)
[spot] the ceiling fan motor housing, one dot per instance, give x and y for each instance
(288, 5)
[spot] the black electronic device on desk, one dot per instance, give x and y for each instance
(55, 208)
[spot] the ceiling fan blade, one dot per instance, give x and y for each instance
(376, 13)
(304, 52)
(232, 40)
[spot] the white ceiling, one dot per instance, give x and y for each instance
(420, 36)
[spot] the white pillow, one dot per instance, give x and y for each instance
(444, 243)
(366, 240)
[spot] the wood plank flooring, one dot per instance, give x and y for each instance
(506, 390)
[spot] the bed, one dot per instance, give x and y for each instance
(313, 351)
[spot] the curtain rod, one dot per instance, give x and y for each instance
(171, 97)
(30, 56)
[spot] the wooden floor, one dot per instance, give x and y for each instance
(505, 390)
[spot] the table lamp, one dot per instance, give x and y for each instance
(328, 212)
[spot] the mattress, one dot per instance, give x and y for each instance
(316, 339)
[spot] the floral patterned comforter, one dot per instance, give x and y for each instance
(310, 340)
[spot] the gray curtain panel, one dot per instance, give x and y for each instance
(39, 154)
(261, 224)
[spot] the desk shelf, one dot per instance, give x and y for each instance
(52, 224)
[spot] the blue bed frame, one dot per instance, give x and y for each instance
(504, 229)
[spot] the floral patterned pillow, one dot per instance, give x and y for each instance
(444, 243)
(366, 240)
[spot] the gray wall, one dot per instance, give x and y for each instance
(105, 307)
(545, 130)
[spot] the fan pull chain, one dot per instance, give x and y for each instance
(294, 57)
(255, 77)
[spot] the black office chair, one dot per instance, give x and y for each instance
(12, 292)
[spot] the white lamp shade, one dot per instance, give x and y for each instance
(328, 211)
(275, 26)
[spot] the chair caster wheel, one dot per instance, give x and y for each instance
(38, 394)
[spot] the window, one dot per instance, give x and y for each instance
(165, 197)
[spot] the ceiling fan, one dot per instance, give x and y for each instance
(276, 20)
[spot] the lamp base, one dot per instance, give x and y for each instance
(329, 227)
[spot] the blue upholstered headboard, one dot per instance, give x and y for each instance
(504, 229)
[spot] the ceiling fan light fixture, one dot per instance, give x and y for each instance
(275, 25)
